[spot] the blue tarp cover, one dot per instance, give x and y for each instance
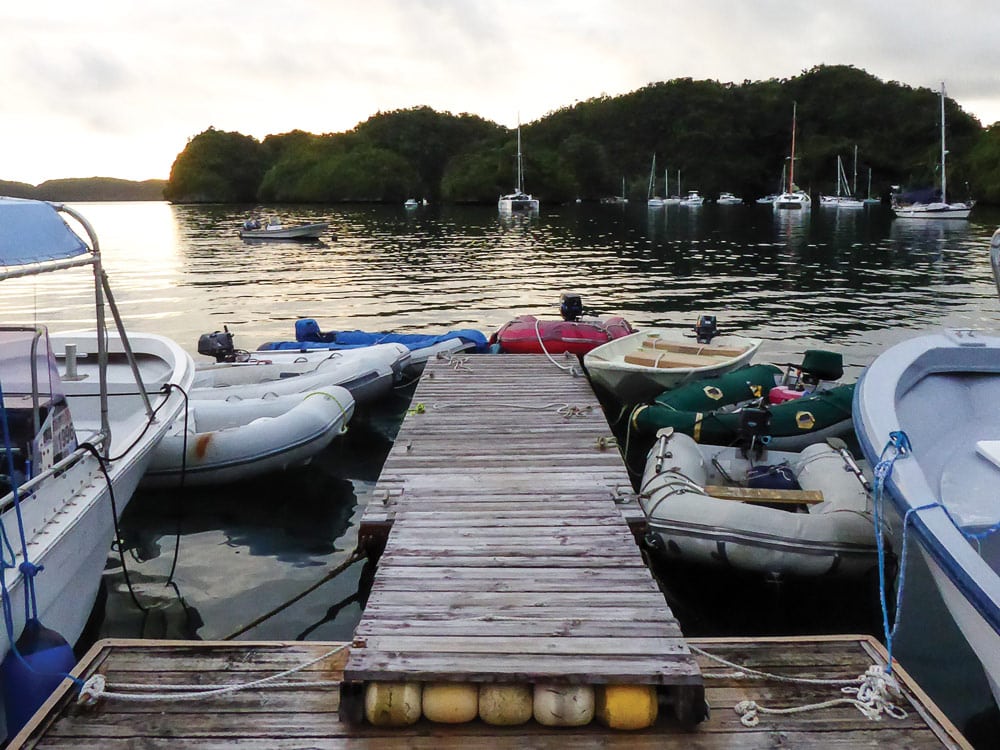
(356, 339)
(33, 232)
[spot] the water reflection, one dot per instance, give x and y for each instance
(798, 279)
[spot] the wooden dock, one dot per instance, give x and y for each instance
(282, 718)
(507, 558)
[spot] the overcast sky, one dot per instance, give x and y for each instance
(116, 87)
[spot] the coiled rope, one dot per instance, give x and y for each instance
(874, 693)
(95, 687)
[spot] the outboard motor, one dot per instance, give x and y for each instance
(754, 430)
(706, 329)
(218, 344)
(571, 306)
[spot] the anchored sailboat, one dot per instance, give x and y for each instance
(937, 209)
(518, 201)
(792, 197)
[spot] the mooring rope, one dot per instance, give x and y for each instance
(562, 408)
(573, 369)
(875, 692)
(95, 687)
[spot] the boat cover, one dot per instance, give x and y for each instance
(33, 232)
(309, 336)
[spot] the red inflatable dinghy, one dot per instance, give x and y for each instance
(527, 334)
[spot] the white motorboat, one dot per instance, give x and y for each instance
(221, 441)
(941, 209)
(518, 201)
(927, 411)
(637, 367)
(774, 513)
(728, 199)
(83, 413)
(273, 229)
(693, 198)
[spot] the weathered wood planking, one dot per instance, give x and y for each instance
(282, 719)
(508, 557)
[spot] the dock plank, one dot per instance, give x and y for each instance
(508, 553)
(283, 718)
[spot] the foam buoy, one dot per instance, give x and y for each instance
(626, 706)
(563, 705)
(451, 702)
(392, 704)
(505, 705)
(45, 659)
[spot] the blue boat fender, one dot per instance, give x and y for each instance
(40, 660)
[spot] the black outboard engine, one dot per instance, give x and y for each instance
(571, 306)
(706, 329)
(754, 430)
(218, 344)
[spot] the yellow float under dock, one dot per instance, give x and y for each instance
(282, 718)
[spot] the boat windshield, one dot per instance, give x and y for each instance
(38, 422)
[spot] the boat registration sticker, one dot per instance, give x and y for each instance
(805, 420)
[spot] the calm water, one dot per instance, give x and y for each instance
(205, 563)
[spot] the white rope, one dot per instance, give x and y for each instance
(877, 692)
(458, 363)
(562, 408)
(95, 687)
(572, 369)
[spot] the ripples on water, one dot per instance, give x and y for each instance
(854, 282)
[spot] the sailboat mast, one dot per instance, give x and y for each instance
(791, 164)
(854, 191)
(520, 174)
(944, 151)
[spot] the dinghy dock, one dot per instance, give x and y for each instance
(505, 560)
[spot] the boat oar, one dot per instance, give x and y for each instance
(852, 465)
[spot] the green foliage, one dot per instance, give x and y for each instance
(217, 167)
(985, 166)
(719, 136)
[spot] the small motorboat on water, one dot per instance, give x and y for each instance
(272, 229)
(637, 367)
(82, 414)
(574, 334)
(794, 514)
(421, 347)
(927, 410)
(369, 373)
(219, 441)
(796, 406)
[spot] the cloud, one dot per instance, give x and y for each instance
(117, 87)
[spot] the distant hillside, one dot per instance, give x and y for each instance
(712, 136)
(87, 189)
(16, 189)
